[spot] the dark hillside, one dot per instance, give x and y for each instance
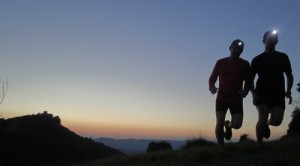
(41, 139)
(200, 153)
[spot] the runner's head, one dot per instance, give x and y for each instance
(270, 39)
(236, 48)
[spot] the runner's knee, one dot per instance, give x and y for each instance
(236, 125)
(276, 117)
(276, 122)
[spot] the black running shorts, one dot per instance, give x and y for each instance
(271, 101)
(234, 108)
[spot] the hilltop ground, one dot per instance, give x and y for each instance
(283, 152)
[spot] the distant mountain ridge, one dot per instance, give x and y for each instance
(134, 146)
(41, 139)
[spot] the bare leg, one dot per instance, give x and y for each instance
(219, 131)
(236, 121)
(276, 118)
(263, 112)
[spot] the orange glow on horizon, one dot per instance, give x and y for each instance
(95, 130)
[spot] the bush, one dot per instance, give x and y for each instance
(245, 139)
(159, 146)
(294, 126)
(197, 143)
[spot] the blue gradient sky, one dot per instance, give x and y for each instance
(134, 68)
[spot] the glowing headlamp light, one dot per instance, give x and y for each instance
(240, 43)
(274, 32)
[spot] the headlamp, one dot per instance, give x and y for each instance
(274, 32)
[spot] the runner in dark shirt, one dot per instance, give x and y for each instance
(269, 93)
(232, 72)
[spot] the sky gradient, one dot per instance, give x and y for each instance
(134, 68)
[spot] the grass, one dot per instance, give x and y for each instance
(199, 152)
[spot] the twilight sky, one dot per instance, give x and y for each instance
(134, 68)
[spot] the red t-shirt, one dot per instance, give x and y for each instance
(232, 73)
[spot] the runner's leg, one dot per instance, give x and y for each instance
(219, 131)
(276, 117)
(236, 121)
(263, 112)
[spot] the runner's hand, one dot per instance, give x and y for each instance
(289, 96)
(243, 93)
(213, 90)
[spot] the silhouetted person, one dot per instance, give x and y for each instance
(234, 84)
(269, 93)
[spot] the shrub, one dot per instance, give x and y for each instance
(294, 125)
(159, 146)
(245, 139)
(197, 142)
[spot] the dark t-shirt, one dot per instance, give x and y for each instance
(270, 69)
(232, 76)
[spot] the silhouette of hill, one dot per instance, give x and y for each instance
(41, 139)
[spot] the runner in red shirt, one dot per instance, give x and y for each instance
(234, 84)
